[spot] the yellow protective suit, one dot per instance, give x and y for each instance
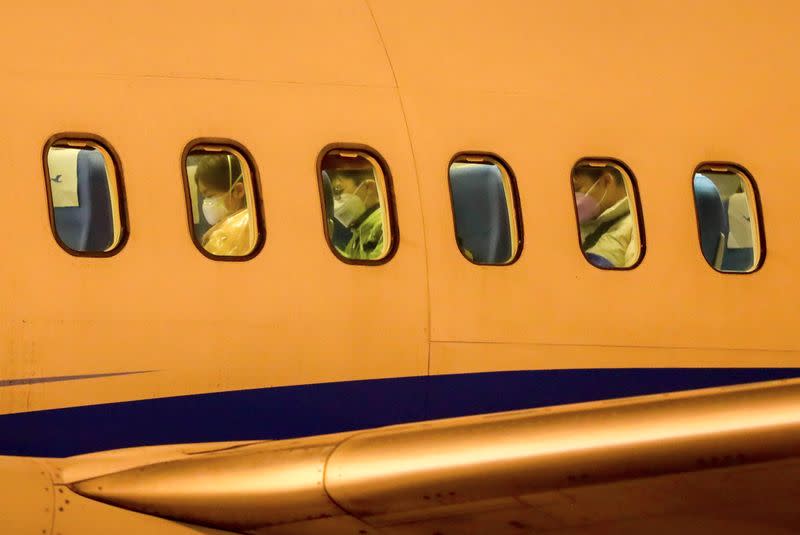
(367, 240)
(233, 236)
(613, 235)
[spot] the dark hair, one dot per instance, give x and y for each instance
(358, 169)
(595, 172)
(213, 170)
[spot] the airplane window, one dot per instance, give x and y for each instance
(356, 193)
(726, 204)
(607, 211)
(221, 187)
(483, 196)
(84, 189)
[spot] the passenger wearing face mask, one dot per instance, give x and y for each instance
(219, 181)
(606, 224)
(356, 206)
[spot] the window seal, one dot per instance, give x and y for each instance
(88, 139)
(390, 201)
(257, 199)
(637, 203)
(762, 237)
(515, 198)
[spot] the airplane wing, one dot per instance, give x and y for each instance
(724, 460)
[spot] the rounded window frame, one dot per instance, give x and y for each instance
(389, 195)
(495, 159)
(637, 205)
(249, 160)
(84, 139)
(742, 171)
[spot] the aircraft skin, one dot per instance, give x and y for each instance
(160, 345)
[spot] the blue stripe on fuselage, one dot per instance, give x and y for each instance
(292, 411)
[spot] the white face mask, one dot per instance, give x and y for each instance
(348, 208)
(215, 209)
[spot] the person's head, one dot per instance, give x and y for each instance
(596, 189)
(352, 184)
(219, 181)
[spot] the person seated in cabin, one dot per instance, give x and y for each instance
(219, 181)
(356, 205)
(604, 215)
